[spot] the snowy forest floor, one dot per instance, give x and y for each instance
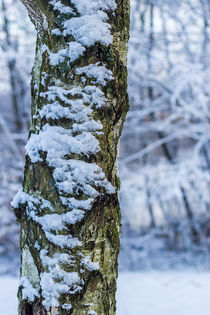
(152, 280)
(142, 293)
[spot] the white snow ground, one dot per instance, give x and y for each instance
(148, 293)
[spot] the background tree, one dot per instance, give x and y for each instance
(17, 40)
(166, 133)
(68, 207)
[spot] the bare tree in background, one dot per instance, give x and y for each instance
(18, 86)
(17, 42)
(166, 135)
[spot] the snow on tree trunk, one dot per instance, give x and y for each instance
(68, 206)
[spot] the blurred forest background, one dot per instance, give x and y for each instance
(165, 145)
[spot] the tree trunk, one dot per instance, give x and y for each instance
(14, 75)
(68, 207)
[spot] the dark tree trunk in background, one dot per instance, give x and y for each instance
(17, 85)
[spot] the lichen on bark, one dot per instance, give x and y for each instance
(68, 207)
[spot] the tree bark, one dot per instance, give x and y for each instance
(68, 206)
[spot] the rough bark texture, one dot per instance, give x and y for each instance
(92, 259)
